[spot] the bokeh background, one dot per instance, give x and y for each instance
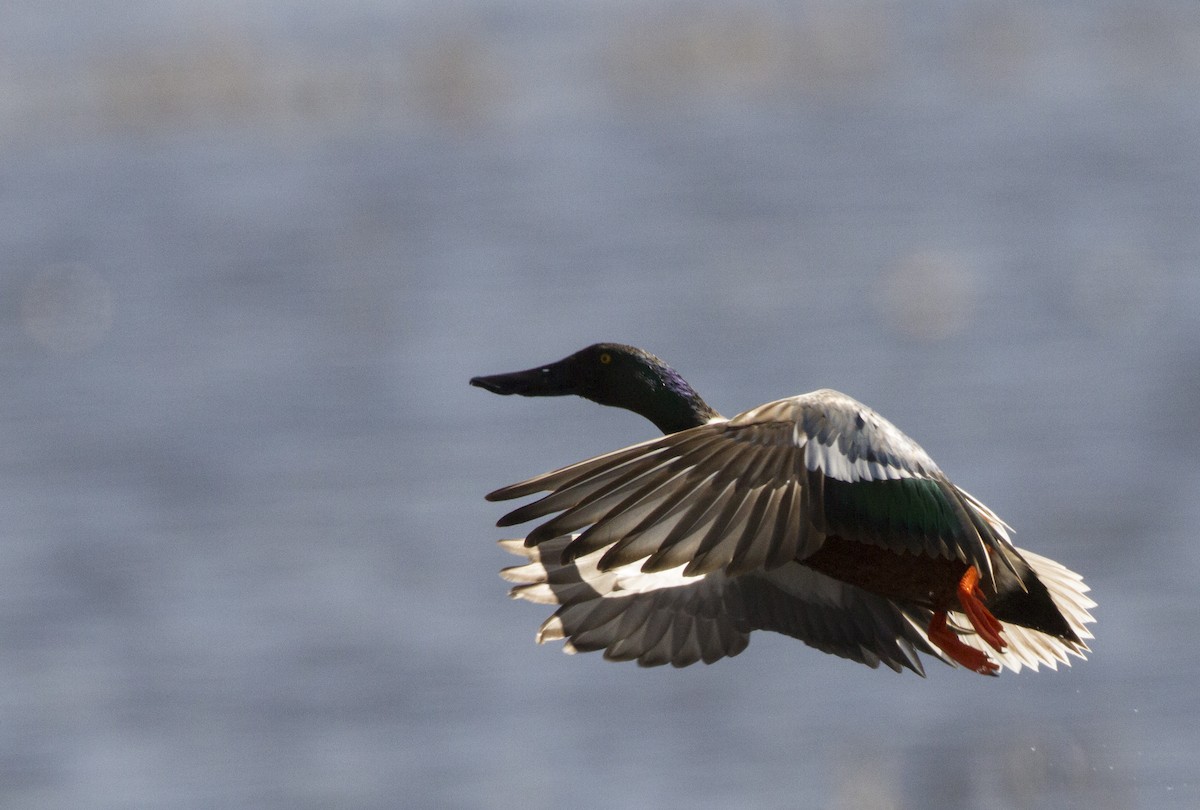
(251, 252)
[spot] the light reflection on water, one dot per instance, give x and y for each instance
(251, 265)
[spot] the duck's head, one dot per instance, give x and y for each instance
(612, 374)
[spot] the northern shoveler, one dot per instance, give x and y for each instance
(812, 516)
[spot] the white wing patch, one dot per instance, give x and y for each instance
(835, 464)
(842, 438)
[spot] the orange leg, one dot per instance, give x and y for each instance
(971, 598)
(946, 640)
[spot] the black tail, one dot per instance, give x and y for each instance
(1029, 606)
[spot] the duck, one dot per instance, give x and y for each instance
(811, 516)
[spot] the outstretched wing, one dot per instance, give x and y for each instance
(761, 490)
(668, 618)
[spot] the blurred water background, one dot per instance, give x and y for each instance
(252, 251)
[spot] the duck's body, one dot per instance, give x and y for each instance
(812, 516)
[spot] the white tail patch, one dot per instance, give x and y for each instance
(1031, 648)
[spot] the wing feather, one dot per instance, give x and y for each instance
(758, 491)
(669, 618)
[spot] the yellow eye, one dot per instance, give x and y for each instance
(605, 358)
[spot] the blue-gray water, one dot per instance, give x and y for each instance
(252, 252)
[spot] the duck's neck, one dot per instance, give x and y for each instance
(666, 399)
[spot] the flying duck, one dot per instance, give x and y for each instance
(812, 516)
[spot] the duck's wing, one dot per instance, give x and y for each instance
(669, 618)
(758, 491)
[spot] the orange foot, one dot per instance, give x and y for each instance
(971, 598)
(946, 640)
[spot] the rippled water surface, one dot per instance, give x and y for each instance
(253, 252)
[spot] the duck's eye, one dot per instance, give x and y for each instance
(605, 358)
